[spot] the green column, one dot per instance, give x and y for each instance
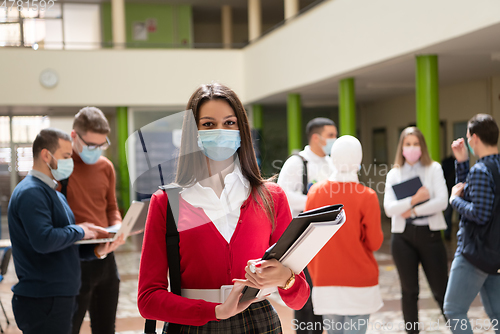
(257, 116)
(294, 122)
(427, 96)
(347, 107)
(123, 177)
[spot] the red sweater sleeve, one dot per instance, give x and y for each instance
(154, 300)
(297, 295)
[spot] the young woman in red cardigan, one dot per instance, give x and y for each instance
(228, 217)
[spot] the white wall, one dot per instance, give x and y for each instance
(340, 36)
(62, 123)
(114, 77)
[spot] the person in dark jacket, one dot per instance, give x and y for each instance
(43, 234)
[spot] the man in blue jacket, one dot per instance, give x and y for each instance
(43, 235)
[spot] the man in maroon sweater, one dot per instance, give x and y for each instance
(90, 191)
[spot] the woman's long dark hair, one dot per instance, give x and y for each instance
(192, 166)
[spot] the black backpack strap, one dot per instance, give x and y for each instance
(304, 174)
(173, 256)
(64, 187)
(150, 326)
(493, 168)
(172, 239)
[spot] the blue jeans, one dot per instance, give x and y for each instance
(345, 324)
(465, 282)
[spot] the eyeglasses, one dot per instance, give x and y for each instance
(92, 147)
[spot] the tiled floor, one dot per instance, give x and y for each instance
(129, 320)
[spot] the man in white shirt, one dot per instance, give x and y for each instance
(321, 134)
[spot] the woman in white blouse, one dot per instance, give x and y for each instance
(416, 223)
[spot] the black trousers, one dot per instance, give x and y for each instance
(418, 244)
(306, 314)
(98, 295)
(43, 315)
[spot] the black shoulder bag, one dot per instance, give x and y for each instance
(482, 242)
(172, 239)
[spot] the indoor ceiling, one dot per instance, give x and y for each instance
(470, 57)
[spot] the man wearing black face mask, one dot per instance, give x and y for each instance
(91, 195)
(43, 232)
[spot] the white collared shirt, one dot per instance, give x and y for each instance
(224, 212)
(290, 178)
(44, 178)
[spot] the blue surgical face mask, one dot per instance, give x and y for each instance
(328, 147)
(219, 144)
(63, 170)
(90, 157)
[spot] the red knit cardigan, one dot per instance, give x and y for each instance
(207, 260)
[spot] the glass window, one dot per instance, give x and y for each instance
(82, 26)
(24, 159)
(4, 129)
(53, 34)
(9, 15)
(5, 155)
(25, 128)
(10, 34)
(29, 12)
(34, 31)
(459, 130)
(53, 10)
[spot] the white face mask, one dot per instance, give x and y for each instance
(219, 144)
(328, 147)
(63, 170)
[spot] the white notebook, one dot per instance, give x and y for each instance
(135, 214)
(310, 242)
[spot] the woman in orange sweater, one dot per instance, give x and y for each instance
(345, 272)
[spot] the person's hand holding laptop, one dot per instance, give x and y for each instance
(136, 213)
(92, 231)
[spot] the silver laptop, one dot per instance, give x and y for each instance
(136, 215)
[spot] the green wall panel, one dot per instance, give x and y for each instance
(173, 24)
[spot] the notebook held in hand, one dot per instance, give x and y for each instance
(293, 248)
